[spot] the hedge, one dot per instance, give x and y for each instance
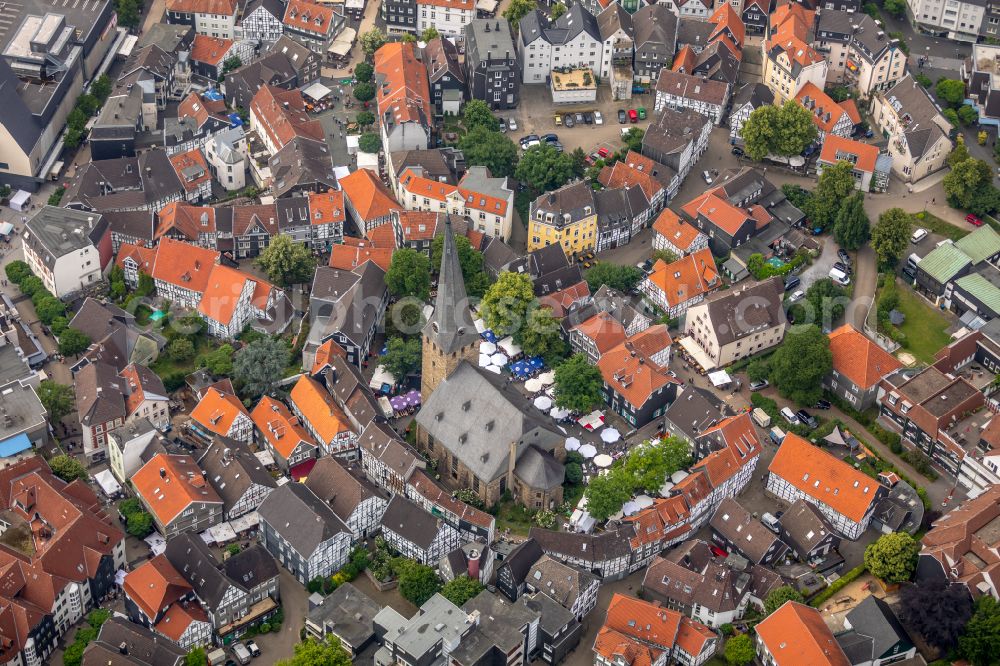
(838, 585)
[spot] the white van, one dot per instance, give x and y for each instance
(789, 415)
(913, 260)
(770, 522)
(918, 235)
(760, 417)
(840, 277)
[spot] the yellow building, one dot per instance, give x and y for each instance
(566, 217)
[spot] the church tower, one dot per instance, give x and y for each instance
(450, 337)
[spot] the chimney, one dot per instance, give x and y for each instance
(163, 473)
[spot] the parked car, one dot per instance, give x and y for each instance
(512, 124)
(840, 266)
(580, 120)
(622, 118)
(796, 296)
(707, 176)
(918, 235)
(603, 152)
(252, 647)
(910, 273)
(770, 522)
(840, 277)
(737, 151)
(241, 653)
(550, 138)
(559, 120)
(757, 386)
(588, 118)
(558, 146)
(843, 255)
(807, 418)
(642, 113)
(568, 120)
(789, 415)
(598, 118)
(973, 220)
(633, 116)
(792, 282)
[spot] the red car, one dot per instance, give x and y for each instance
(603, 152)
(633, 116)
(973, 220)
(718, 552)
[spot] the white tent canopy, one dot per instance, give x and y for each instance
(381, 376)
(499, 359)
(108, 483)
(611, 435)
(484, 360)
(588, 451)
(592, 421)
(572, 444)
(494, 369)
(480, 326)
(547, 378)
(20, 200)
(532, 386)
(265, 458)
(720, 378)
(507, 344)
(559, 413)
(603, 460)
(697, 353)
(487, 347)
(543, 402)
(316, 91)
(157, 544)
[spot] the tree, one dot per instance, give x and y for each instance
(951, 115)
(966, 179)
(218, 362)
(492, 150)
(16, 271)
(67, 468)
(936, 610)
(967, 115)
(402, 356)
(578, 384)
(30, 285)
(231, 63)
(49, 308)
(824, 304)
(951, 92)
(429, 34)
(73, 655)
(618, 277)
(893, 557)
(777, 598)
(369, 142)
(72, 139)
(97, 617)
(73, 341)
(366, 119)
(57, 399)
(758, 370)
(651, 463)
(460, 589)
(144, 285)
(417, 582)
(740, 650)
(477, 113)
(180, 350)
(517, 10)
(835, 184)
(59, 324)
(607, 493)
(541, 335)
(799, 365)
(409, 274)
(633, 139)
(959, 153)
(505, 304)
(101, 87)
(259, 365)
(285, 262)
(851, 227)
(895, 7)
(129, 13)
(978, 643)
(574, 473)
(363, 72)
(196, 657)
(891, 235)
(364, 92)
(139, 524)
(558, 9)
(408, 38)
(666, 256)
(371, 42)
(771, 130)
(311, 652)
(543, 168)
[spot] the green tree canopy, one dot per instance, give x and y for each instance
(16, 271)
(371, 42)
(402, 356)
(139, 524)
(311, 652)
(363, 72)
(607, 493)
(978, 643)
(477, 113)
(73, 341)
(740, 650)
(49, 308)
(771, 130)
(493, 150)
(851, 228)
(67, 468)
(218, 362)
(460, 589)
(937, 610)
(417, 582)
(518, 9)
(558, 9)
(196, 657)
(891, 235)
(286, 262)
(259, 365)
(758, 370)
(617, 276)
(777, 598)
(58, 399)
(365, 119)
(823, 305)
(895, 7)
(30, 285)
(370, 143)
(799, 364)
(409, 274)
(505, 304)
(578, 384)
(543, 168)
(364, 92)
(429, 34)
(834, 186)
(652, 462)
(231, 63)
(633, 139)
(965, 180)
(180, 350)
(101, 87)
(951, 92)
(541, 335)
(893, 557)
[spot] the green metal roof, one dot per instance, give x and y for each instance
(981, 244)
(982, 290)
(944, 262)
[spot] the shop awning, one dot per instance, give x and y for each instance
(316, 91)
(20, 200)
(697, 353)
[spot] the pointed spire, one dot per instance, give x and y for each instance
(451, 327)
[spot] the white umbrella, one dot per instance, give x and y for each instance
(572, 444)
(547, 378)
(603, 460)
(644, 501)
(532, 386)
(630, 508)
(543, 402)
(588, 451)
(559, 413)
(487, 347)
(484, 360)
(499, 359)
(494, 369)
(551, 391)
(480, 326)
(610, 435)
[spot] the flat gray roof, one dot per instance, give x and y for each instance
(63, 230)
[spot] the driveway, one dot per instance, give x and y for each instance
(865, 277)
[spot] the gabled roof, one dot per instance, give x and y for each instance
(825, 478)
(154, 585)
(282, 115)
(714, 207)
(169, 484)
(279, 426)
(223, 7)
(675, 230)
(859, 359)
(191, 169)
(825, 112)
(685, 278)
(223, 293)
(403, 92)
(966, 540)
(796, 634)
(318, 408)
(629, 368)
(301, 518)
(233, 469)
(369, 198)
(210, 50)
(217, 410)
(837, 148)
(342, 487)
(309, 17)
(183, 265)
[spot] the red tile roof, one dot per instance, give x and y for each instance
(279, 426)
(631, 375)
(796, 634)
(348, 257)
(837, 148)
(210, 50)
(676, 230)
(326, 207)
(282, 116)
(404, 95)
(417, 225)
(651, 625)
(859, 359)
(194, 162)
(154, 585)
(605, 331)
(169, 493)
(185, 219)
(561, 301)
(616, 647)
(183, 265)
(201, 109)
(325, 354)
(309, 17)
(825, 112)
(824, 477)
(726, 19)
(687, 277)
(223, 7)
(217, 410)
(369, 198)
(318, 408)
(144, 257)
(178, 618)
(713, 206)
(223, 292)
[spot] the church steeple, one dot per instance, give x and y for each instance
(450, 336)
